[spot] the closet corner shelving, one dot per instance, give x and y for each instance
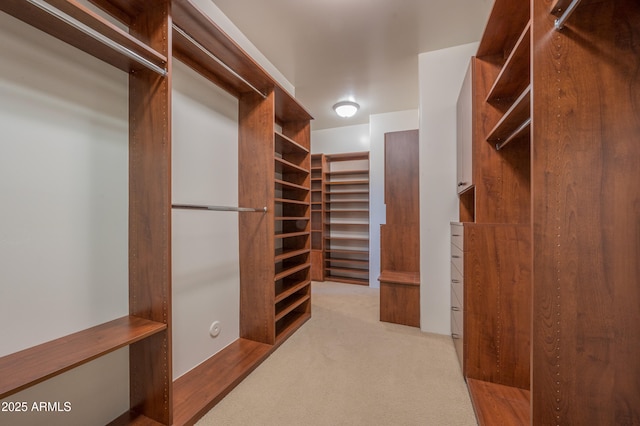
(274, 171)
(346, 218)
(318, 166)
(144, 54)
(535, 245)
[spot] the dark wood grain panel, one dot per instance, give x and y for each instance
(256, 188)
(401, 303)
(150, 368)
(401, 177)
(497, 303)
(586, 207)
(399, 248)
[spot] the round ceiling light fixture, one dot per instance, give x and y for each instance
(346, 109)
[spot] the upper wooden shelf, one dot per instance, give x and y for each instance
(347, 156)
(38, 363)
(348, 172)
(514, 119)
(515, 75)
(73, 23)
(504, 27)
(286, 145)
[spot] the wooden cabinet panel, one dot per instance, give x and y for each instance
(400, 236)
(497, 311)
(464, 135)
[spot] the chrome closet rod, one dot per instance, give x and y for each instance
(559, 24)
(218, 60)
(97, 36)
(218, 208)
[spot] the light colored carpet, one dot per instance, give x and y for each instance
(345, 367)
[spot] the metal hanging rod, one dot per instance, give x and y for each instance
(218, 208)
(514, 135)
(559, 24)
(218, 60)
(97, 36)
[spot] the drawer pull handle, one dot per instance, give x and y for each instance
(455, 235)
(455, 256)
(455, 336)
(455, 308)
(455, 281)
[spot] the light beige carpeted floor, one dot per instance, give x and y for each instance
(345, 367)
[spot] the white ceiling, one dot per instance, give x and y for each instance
(363, 50)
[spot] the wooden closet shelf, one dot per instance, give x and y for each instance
(291, 271)
(289, 201)
(361, 239)
(364, 191)
(513, 119)
(283, 165)
(295, 218)
(497, 404)
(345, 270)
(515, 75)
(287, 325)
(286, 145)
(346, 211)
(291, 234)
(350, 280)
(351, 261)
(346, 201)
(348, 182)
(281, 254)
(343, 251)
(196, 392)
(291, 185)
(38, 363)
(348, 172)
(291, 306)
(72, 35)
(291, 290)
(503, 29)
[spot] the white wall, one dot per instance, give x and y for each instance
(205, 257)
(209, 8)
(64, 215)
(340, 140)
(441, 75)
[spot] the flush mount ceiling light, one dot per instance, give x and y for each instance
(346, 109)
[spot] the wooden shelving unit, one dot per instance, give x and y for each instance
(318, 166)
(274, 160)
(147, 328)
(346, 218)
(550, 212)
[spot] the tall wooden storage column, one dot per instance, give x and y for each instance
(400, 236)
(275, 247)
